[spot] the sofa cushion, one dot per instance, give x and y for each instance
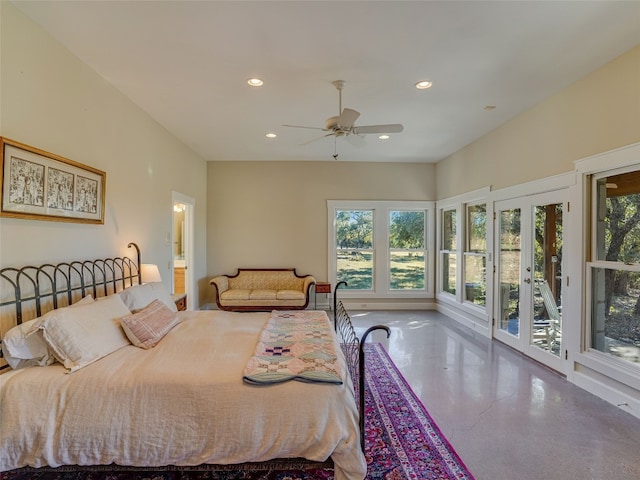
(290, 295)
(262, 294)
(235, 294)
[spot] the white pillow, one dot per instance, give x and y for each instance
(138, 297)
(148, 326)
(23, 346)
(81, 335)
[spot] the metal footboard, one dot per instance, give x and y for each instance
(353, 350)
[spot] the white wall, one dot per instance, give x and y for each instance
(274, 214)
(595, 114)
(51, 100)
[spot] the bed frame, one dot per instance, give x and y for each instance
(30, 291)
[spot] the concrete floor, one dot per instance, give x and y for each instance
(507, 417)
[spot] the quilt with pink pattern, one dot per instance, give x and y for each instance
(297, 345)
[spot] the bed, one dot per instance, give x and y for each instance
(178, 400)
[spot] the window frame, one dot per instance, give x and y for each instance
(468, 252)
(455, 252)
(593, 263)
(478, 313)
(424, 250)
(381, 249)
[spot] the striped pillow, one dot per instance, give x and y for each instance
(148, 326)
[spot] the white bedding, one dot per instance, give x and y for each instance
(182, 402)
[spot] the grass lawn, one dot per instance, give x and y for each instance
(356, 268)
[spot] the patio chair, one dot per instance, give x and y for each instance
(551, 327)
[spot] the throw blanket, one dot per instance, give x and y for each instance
(295, 346)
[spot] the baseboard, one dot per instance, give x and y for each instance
(208, 306)
(615, 397)
(364, 305)
(465, 319)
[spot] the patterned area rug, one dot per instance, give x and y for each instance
(402, 443)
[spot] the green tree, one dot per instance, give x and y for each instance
(354, 228)
(406, 230)
(622, 238)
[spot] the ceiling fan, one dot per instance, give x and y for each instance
(343, 124)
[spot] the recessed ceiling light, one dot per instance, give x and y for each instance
(384, 137)
(271, 135)
(424, 84)
(255, 82)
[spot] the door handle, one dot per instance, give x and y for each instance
(527, 280)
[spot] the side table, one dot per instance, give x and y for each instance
(181, 301)
(321, 287)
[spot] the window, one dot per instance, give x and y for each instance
(407, 250)
(354, 253)
(381, 248)
(448, 252)
(475, 255)
(615, 265)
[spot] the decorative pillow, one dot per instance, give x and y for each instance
(23, 346)
(147, 327)
(81, 335)
(138, 297)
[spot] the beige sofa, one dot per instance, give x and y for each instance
(262, 289)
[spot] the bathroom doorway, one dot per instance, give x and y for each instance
(182, 247)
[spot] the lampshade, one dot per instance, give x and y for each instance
(150, 273)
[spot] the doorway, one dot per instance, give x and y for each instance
(528, 278)
(182, 247)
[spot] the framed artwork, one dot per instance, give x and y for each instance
(43, 186)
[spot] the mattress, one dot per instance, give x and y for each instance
(181, 403)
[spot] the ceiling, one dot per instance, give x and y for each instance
(186, 63)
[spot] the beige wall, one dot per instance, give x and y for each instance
(275, 214)
(596, 114)
(51, 100)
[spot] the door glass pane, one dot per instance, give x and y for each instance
(546, 327)
(510, 249)
(354, 255)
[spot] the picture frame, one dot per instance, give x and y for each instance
(39, 185)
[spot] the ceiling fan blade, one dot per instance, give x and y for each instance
(356, 140)
(392, 128)
(348, 118)
(316, 139)
(301, 126)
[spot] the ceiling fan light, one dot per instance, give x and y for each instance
(424, 84)
(255, 82)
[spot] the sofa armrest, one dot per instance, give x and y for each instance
(308, 281)
(221, 283)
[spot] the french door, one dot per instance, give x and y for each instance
(528, 275)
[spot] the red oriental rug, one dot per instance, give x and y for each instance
(402, 443)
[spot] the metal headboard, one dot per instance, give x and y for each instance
(35, 290)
